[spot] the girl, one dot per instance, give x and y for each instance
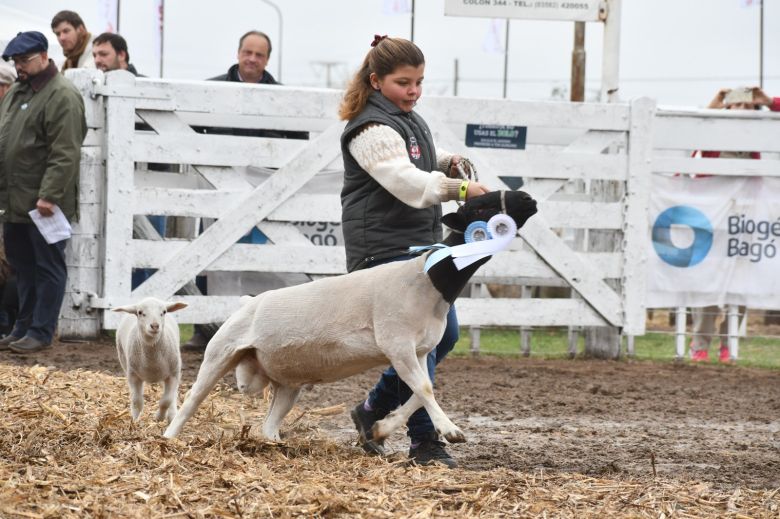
(393, 189)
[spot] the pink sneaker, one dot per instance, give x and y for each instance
(725, 355)
(700, 355)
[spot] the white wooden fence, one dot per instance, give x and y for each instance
(569, 145)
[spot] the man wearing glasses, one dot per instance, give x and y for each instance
(42, 127)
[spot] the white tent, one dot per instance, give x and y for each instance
(13, 21)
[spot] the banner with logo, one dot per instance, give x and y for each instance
(714, 242)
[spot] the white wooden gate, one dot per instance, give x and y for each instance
(567, 144)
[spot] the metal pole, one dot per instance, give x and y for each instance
(412, 21)
(761, 47)
(506, 55)
(680, 323)
(455, 80)
(578, 64)
(611, 56)
(118, 14)
(280, 44)
(162, 35)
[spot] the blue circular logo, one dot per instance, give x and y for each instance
(702, 236)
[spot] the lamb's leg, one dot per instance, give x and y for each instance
(167, 409)
(136, 386)
(218, 359)
(412, 371)
(283, 400)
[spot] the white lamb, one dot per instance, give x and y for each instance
(336, 327)
(147, 343)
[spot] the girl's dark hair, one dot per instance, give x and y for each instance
(382, 59)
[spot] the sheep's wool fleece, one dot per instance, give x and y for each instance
(394, 303)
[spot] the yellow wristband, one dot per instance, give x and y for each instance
(462, 190)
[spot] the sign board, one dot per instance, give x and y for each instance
(495, 136)
(574, 10)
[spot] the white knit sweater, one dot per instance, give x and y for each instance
(381, 151)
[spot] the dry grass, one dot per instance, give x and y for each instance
(69, 449)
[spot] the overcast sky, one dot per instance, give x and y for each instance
(677, 51)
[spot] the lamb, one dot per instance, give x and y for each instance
(336, 327)
(147, 344)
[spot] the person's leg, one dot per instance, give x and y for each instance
(703, 330)
(21, 257)
(51, 274)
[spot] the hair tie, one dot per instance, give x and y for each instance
(377, 39)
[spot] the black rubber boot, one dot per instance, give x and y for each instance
(429, 450)
(364, 421)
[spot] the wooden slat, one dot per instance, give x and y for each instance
(484, 312)
(305, 257)
(241, 98)
(723, 130)
(635, 239)
(582, 215)
(212, 203)
(717, 166)
(526, 312)
(591, 116)
(119, 184)
(214, 150)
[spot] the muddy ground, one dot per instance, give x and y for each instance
(715, 424)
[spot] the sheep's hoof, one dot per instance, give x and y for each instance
(455, 436)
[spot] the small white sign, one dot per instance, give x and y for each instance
(574, 10)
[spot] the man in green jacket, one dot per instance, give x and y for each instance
(42, 127)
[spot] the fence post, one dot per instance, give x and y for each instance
(83, 254)
(680, 322)
(733, 330)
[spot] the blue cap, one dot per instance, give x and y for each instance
(25, 43)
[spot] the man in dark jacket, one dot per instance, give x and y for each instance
(42, 127)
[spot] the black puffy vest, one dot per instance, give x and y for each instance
(376, 224)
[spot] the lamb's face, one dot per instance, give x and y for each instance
(151, 318)
(150, 315)
(519, 205)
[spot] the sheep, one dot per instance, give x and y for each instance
(332, 328)
(147, 344)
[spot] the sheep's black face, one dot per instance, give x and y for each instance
(517, 204)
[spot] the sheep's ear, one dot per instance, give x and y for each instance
(454, 221)
(178, 305)
(130, 309)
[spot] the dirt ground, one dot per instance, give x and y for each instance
(713, 424)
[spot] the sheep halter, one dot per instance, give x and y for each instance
(502, 230)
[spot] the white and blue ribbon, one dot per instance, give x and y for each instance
(502, 230)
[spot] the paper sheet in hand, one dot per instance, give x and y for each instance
(54, 228)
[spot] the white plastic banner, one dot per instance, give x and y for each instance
(714, 241)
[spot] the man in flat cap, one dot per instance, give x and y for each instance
(42, 127)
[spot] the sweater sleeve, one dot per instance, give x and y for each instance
(775, 106)
(381, 152)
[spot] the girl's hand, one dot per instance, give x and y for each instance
(476, 189)
(454, 171)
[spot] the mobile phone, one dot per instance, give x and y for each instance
(738, 95)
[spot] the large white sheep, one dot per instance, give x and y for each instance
(336, 327)
(147, 344)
